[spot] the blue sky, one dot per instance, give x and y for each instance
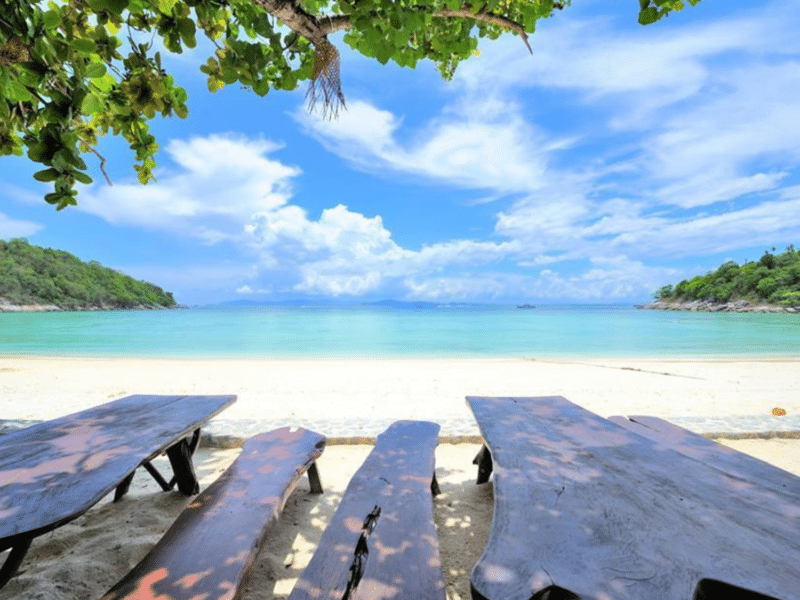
(615, 159)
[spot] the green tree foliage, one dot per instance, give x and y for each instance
(34, 275)
(73, 70)
(774, 279)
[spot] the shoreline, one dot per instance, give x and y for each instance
(736, 306)
(358, 398)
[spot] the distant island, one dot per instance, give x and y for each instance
(771, 284)
(33, 278)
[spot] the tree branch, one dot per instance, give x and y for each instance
(295, 18)
(317, 29)
(102, 161)
(487, 17)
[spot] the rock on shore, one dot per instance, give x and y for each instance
(711, 306)
(6, 306)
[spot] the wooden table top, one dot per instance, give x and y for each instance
(54, 471)
(587, 507)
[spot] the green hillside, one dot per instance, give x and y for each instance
(31, 275)
(773, 279)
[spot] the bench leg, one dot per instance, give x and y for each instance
(195, 441)
(13, 561)
(435, 486)
(166, 486)
(123, 487)
(484, 462)
(313, 479)
(180, 457)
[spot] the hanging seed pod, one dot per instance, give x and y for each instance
(325, 82)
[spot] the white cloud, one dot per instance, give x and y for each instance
(217, 184)
(12, 228)
(485, 145)
(598, 59)
(705, 114)
(344, 253)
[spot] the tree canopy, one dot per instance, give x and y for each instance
(774, 278)
(73, 70)
(35, 275)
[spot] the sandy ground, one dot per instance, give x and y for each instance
(310, 390)
(85, 558)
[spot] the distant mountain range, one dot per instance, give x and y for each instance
(401, 304)
(33, 278)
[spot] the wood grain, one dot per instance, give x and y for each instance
(212, 545)
(55, 471)
(587, 509)
(402, 559)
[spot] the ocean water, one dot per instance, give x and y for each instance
(380, 331)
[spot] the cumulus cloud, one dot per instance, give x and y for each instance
(607, 153)
(698, 147)
(12, 228)
(215, 185)
(344, 253)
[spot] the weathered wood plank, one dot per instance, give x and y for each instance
(713, 454)
(396, 556)
(585, 509)
(214, 542)
(55, 471)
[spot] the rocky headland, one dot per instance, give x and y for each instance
(741, 306)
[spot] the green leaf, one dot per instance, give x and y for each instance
(82, 177)
(649, 15)
(229, 75)
(95, 70)
(51, 18)
(39, 152)
(104, 83)
(92, 105)
(384, 53)
(187, 30)
(16, 92)
(66, 201)
(46, 175)
(116, 6)
(83, 45)
(261, 87)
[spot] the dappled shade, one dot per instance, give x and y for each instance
(55, 471)
(585, 508)
(382, 536)
(211, 546)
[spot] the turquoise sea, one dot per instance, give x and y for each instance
(381, 331)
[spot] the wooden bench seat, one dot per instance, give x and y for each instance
(587, 510)
(209, 549)
(53, 472)
(381, 543)
(749, 469)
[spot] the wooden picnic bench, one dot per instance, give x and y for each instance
(381, 543)
(749, 469)
(588, 510)
(53, 472)
(209, 549)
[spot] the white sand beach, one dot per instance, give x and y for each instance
(85, 558)
(429, 389)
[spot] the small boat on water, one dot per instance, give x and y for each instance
(527, 306)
